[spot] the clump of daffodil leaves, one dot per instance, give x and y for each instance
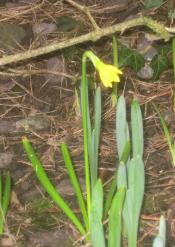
(123, 202)
(108, 73)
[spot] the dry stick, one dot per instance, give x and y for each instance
(21, 11)
(86, 11)
(92, 36)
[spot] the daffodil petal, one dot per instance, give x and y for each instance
(117, 78)
(108, 73)
(119, 71)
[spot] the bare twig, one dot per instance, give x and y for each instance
(116, 7)
(158, 28)
(85, 10)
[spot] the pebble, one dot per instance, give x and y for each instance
(56, 69)
(145, 72)
(6, 159)
(44, 28)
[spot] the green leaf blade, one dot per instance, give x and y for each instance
(122, 131)
(96, 214)
(47, 185)
(115, 219)
(134, 198)
(137, 129)
(160, 240)
(75, 183)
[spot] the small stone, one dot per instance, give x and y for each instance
(68, 24)
(31, 194)
(145, 72)
(11, 35)
(7, 127)
(6, 86)
(10, 5)
(28, 1)
(52, 238)
(65, 187)
(150, 53)
(56, 69)
(33, 122)
(7, 242)
(6, 159)
(44, 28)
(144, 46)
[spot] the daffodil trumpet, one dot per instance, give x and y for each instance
(108, 73)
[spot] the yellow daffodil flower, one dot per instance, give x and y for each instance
(108, 73)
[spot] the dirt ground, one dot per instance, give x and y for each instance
(38, 98)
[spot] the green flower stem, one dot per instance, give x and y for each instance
(85, 132)
(47, 185)
(93, 58)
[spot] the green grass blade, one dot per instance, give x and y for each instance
(75, 183)
(160, 240)
(115, 219)
(96, 213)
(5, 198)
(47, 185)
(137, 129)
(121, 126)
(168, 137)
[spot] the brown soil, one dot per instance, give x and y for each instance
(30, 91)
